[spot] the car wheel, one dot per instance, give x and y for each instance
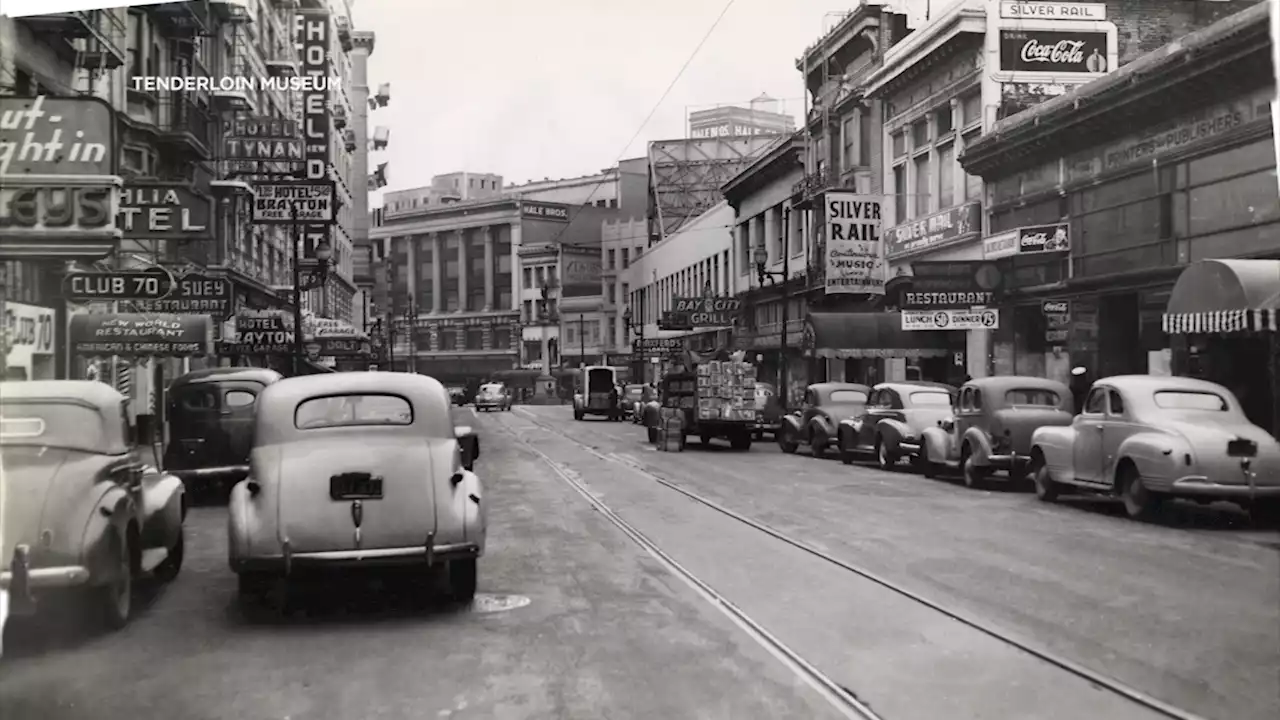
(974, 476)
(705, 438)
(818, 443)
(740, 441)
(115, 599)
(1046, 489)
(885, 457)
(846, 453)
(168, 570)
(787, 441)
(924, 465)
(577, 415)
(1139, 502)
(463, 575)
(1265, 513)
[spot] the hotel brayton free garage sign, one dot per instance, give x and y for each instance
(276, 202)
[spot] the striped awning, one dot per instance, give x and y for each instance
(1221, 322)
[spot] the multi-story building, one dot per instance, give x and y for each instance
(762, 116)
(947, 76)
(1159, 183)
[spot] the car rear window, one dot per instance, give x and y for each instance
(1184, 400)
(491, 389)
(931, 399)
(847, 396)
(1032, 396)
(51, 423)
(352, 410)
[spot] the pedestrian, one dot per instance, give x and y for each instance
(1080, 384)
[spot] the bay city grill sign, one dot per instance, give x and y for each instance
(149, 284)
(275, 202)
(312, 33)
(943, 229)
(704, 311)
(263, 139)
(132, 335)
(545, 211)
(1053, 51)
(196, 294)
(164, 211)
(953, 285)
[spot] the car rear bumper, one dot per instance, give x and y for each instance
(287, 562)
(196, 476)
(19, 580)
(1010, 461)
(1201, 486)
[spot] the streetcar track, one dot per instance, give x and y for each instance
(1009, 638)
(837, 695)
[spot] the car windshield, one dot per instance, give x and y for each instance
(353, 410)
(1187, 400)
(1032, 396)
(931, 399)
(840, 397)
(491, 389)
(65, 425)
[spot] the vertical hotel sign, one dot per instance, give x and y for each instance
(313, 40)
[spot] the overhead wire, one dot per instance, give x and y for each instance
(653, 111)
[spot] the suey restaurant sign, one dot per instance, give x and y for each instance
(196, 294)
(164, 211)
(948, 227)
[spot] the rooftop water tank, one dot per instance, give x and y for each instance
(764, 103)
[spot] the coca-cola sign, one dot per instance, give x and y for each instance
(1053, 51)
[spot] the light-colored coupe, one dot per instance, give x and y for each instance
(360, 469)
(1148, 438)
(80, 509)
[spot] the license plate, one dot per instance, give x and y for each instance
(355, 486)
(1242, 448)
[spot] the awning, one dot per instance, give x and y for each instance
(868, 335)
(138, 335)
(1225, 296)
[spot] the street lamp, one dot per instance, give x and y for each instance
(313, 280)
(638, 331)
(761, 257)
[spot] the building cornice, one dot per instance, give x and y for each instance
(964, 17)
(505, 211)
(783, 157)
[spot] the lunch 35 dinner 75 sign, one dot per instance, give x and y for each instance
(854, 260)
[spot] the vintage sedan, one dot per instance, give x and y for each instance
(82, 511)
(1147, 438)
(359, 469)
(991, 425)
(894, 422)
(493, 396)
(825, 405)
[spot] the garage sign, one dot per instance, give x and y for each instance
(950, 319)
(276, 202)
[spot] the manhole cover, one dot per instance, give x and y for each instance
(485, 603)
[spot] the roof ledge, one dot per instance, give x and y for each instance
(964, 16)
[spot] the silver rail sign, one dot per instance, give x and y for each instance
(275, 202)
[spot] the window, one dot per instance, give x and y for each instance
(240, 398)
(899, 144)
(849, 138)
(613, 259)
(1032, 396)
(448, 340)
(626, 258)
(1183, 400)
(919, 134)
(847, 396)
(971, 110)
(1117, 403)
(972, 183)
(1097, 402)
(945, 121)
(900, 193)
(920, 198)
(501, 339)
(947, 177)
(977, 399)
(931, 399)
(352, 410)
(475, 339)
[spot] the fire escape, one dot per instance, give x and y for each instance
(92, 40)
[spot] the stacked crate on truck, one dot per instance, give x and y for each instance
(727, 391)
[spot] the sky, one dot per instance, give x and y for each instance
(531, 89)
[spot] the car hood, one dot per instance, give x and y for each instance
(45, 489)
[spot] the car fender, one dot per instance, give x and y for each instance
(936, 442)
(469, 504)
(1157, 456)
(162, 507)
(1056, 444)
(846, 431)
(792, 423)
(979, 445)
(112, 514)
(824, 423)
(891, 432)
(253, 520)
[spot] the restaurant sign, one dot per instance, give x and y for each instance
(545, 211)
(196, 294)
(164, 211)
(952, 285)
(138, 335)
(705, 311)
(952, 226)
(1053, 51)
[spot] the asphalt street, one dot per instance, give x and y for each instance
(607, 631)
(1185, 610)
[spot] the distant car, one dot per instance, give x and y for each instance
(769, 410)
(990, 427)
(457, 395)
(632, 401)
(359, 469)
(493, 396)
(896, 416)
(825, 405)
(1147, 438)
(82, 508)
